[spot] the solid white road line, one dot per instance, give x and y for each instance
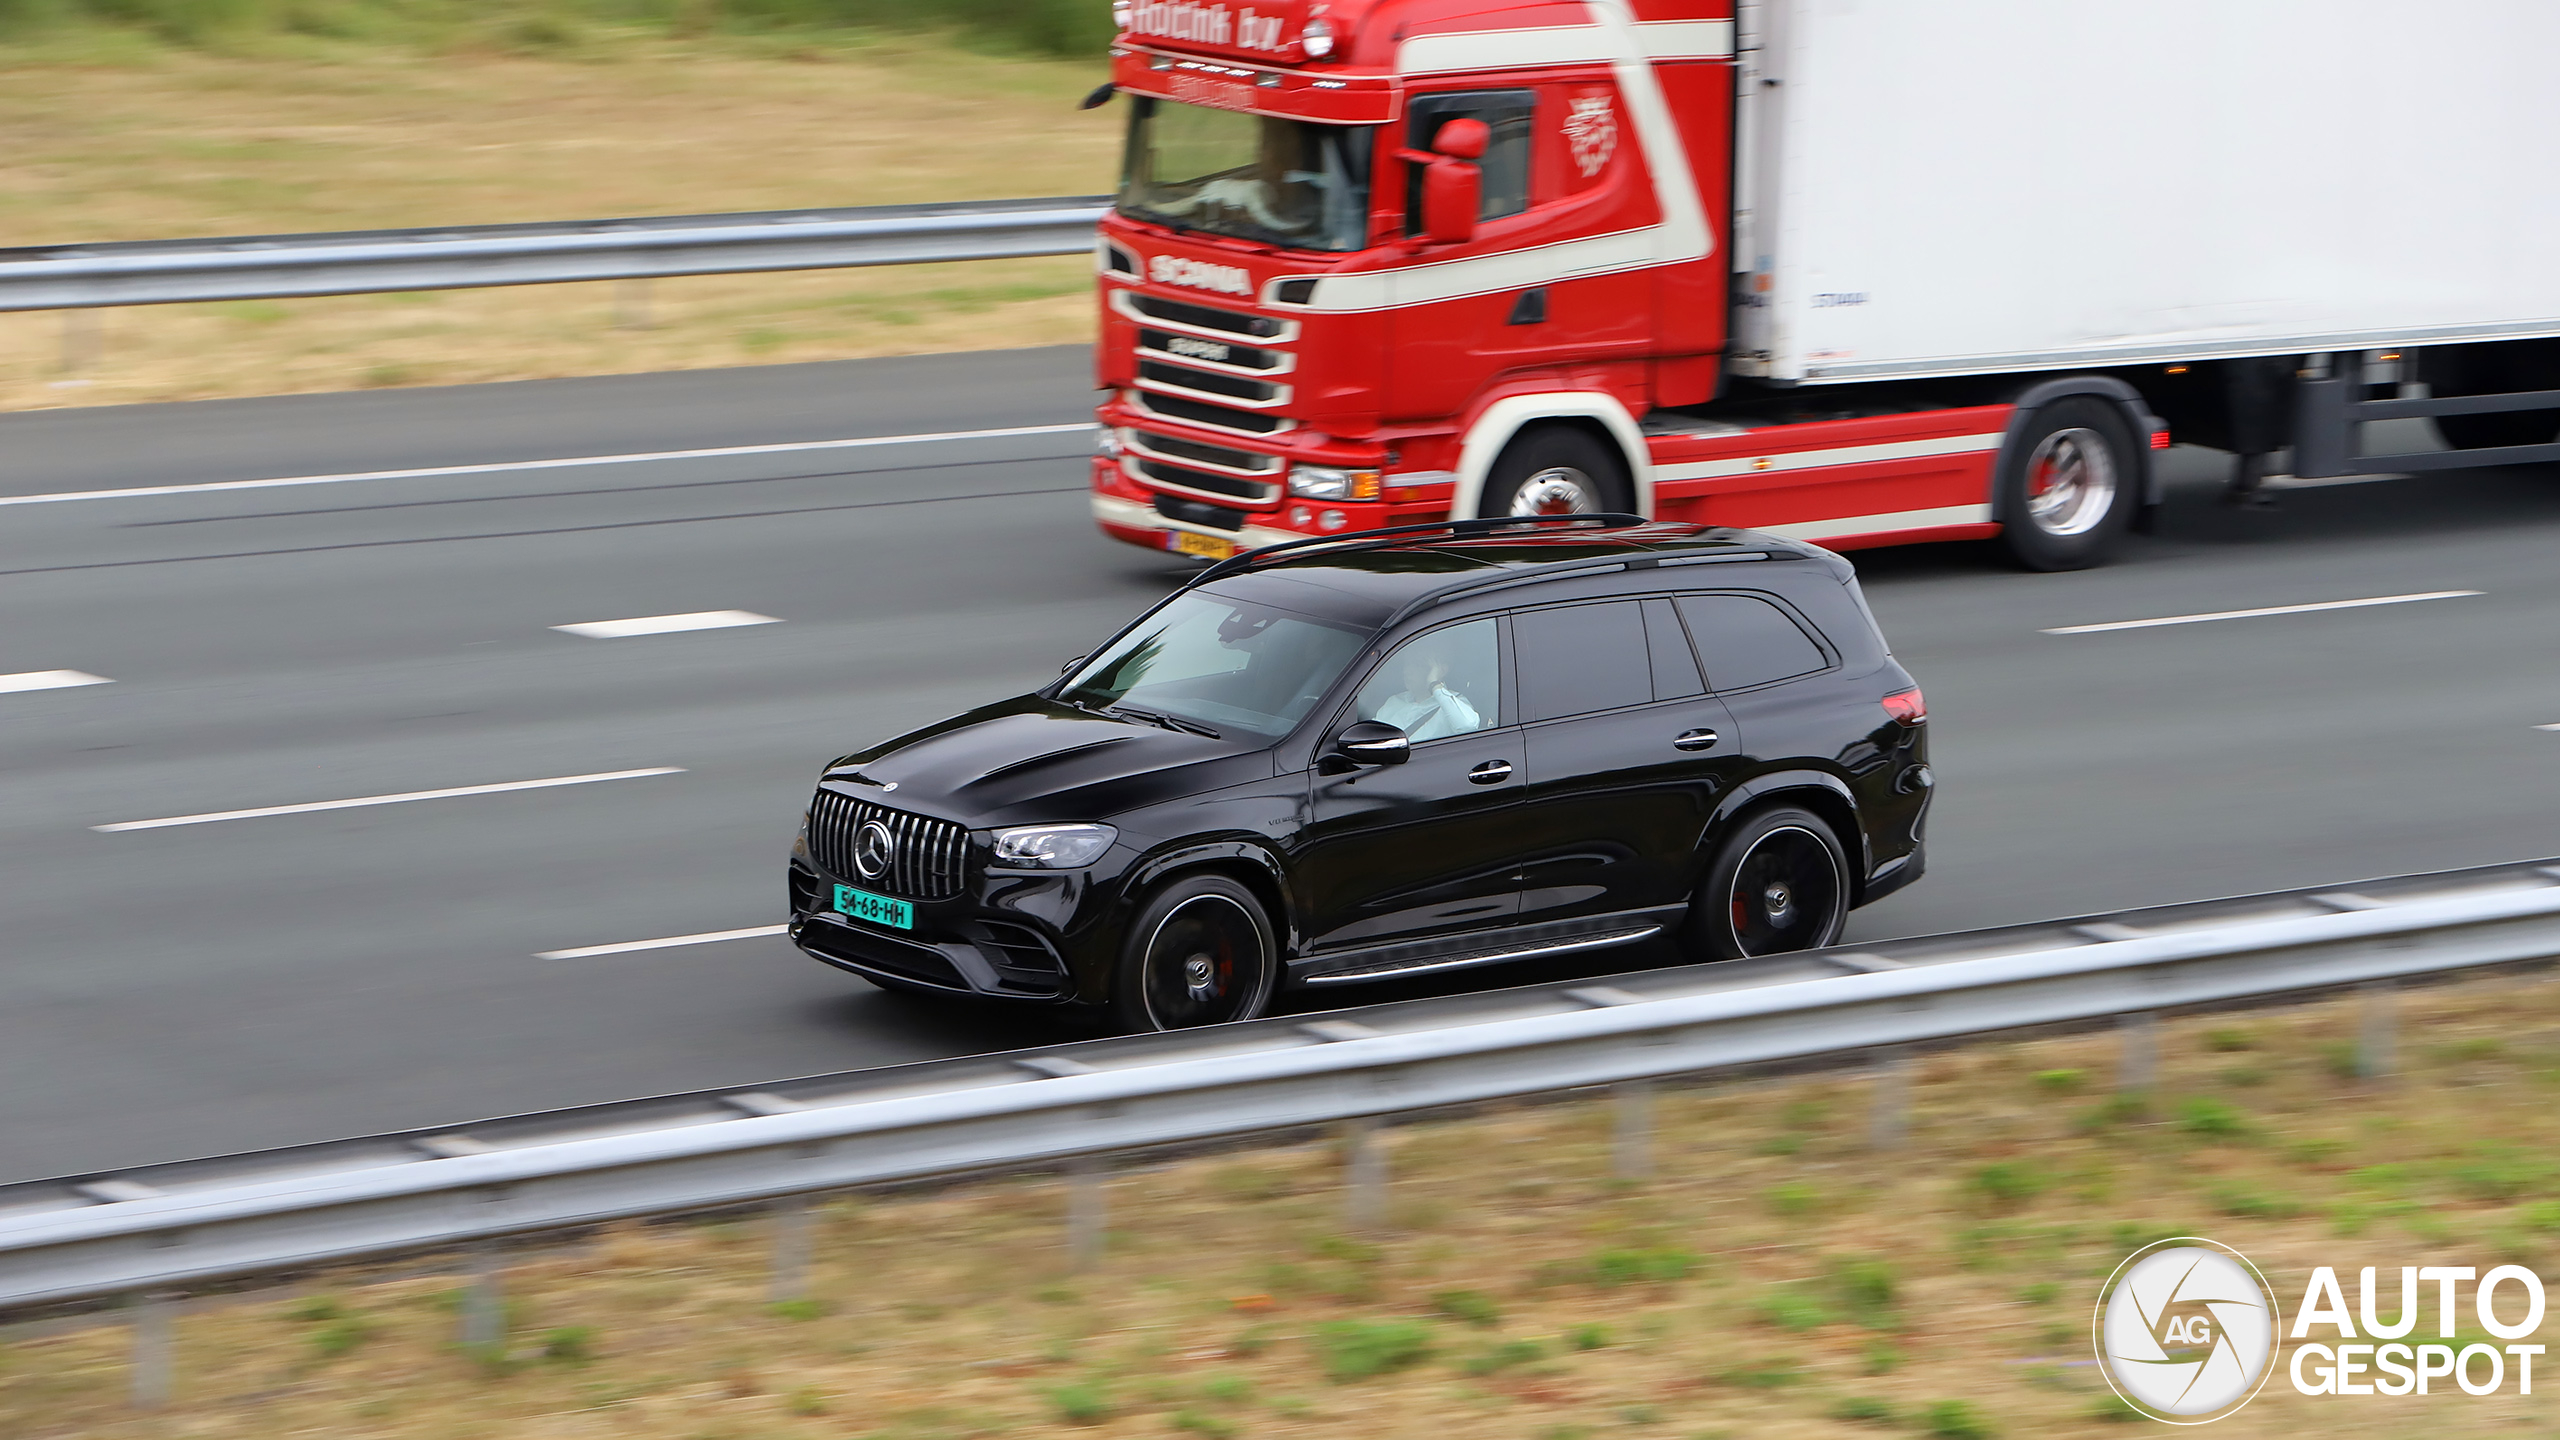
(643, 457)
(2268, 610)
(498, 789)
(50, 680)
(2547, 727)
(667, 624)
(668, 943)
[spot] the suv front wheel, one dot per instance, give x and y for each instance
(1199, 953)
(1779, 882)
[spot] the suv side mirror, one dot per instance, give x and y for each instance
(1452, 184)
(1372, 742)
(1072, 662)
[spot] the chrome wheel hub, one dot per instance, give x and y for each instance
(1780, 903)
(1200, 977)
(1557, 490)
(2071, 482)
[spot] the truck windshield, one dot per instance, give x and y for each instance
(1223, 664)
(1284, 182)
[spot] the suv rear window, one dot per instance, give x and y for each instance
(1746, 641)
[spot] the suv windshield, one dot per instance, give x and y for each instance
(1226, 664)
(1285, 182)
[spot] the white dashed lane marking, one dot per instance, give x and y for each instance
(666, 624)
(669, 942)
(2251, 614)
(317, 805)
(49, 680)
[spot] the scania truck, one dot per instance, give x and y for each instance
(1855, 271)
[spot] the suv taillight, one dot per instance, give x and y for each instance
(1906, 707)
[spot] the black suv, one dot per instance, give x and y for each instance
(1387, 753)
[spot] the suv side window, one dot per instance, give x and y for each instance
(1675, 666)
(1441, 683)
(1747, 641)
(1509, 115)
(1580, 658)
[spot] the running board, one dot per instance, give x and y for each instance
(1425, 964)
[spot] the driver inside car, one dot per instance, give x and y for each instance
(1427, 709)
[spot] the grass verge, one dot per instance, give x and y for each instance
(1808, 1288)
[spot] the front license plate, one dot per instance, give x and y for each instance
(1207, 547)
(878, 909)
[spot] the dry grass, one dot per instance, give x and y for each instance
(1776, 1278)
(163, 144)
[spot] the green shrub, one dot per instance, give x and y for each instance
(1227, 1389)
(1473, 1307)
(2043, 1292)
(2499, 1172)
(1953, 1420)
(1865, 1285)
(1657, 1266)
(2250, 1204)
(2541, 1215)
(1790, 1307)
(1866, 1408)
(1771, 1374)
(806, 1400)
(2115, 1408)
(336, 1337)
(1201, 1423)
(1358, 1349)
(803, 1309)
(2061, 1082)
(570, 1344)
(2010, 1183)
(2229, 1038)
(1588, 1337)
(1504, 1356)
(2211, 1119)
(1793, 1198)
(1881, 1357)
(1080, 1402)
(315, 1308)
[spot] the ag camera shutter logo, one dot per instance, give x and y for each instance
(2186, 1330)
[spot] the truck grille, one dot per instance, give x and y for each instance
(1216, 417)
(1175, 448)
(1215, 352)
(1199, 512)
(926, 856)
(1156, 307)
(1190, 479)
(1234, 387)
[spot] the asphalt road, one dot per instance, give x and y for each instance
(259, 981)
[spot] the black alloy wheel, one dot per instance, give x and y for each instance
(2067, 485)
(1779, 883)
(1556, 470)
(1199, 953)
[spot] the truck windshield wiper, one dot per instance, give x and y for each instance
(1169, 722)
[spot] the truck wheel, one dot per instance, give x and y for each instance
(1556, 470)
(2066, 485)
(1778, 883)
(1199, 953)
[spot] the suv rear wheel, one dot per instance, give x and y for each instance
(1199, 953)
(1779, 882)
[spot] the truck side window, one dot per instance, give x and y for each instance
(1509, 114)
(1747, 641)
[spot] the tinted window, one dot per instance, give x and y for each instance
(1747, 641)
(1226, 663)
(1581, 658)
(1505, 166)
(1675, 668)
(1448, 682)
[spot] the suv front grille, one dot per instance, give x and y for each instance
(926, 856)
(1156, 307)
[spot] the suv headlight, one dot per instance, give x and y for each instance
(1327, 482)
(1053, 847)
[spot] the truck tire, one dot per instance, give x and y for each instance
(2067, 483)
(2464, 370)
(1556, 470)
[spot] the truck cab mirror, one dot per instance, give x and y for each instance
(1369, 742)
(1452, 185)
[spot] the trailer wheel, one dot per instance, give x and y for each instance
(2066, 485)
(1556, 470)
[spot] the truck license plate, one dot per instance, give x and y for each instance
(1207, 547)
(878, 909)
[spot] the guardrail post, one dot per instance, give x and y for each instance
(484, 1304)
(1631, 1149)
(631, 304)
(1889, 1114)
(80, 344)
(1086, 1212)
(2381, 1014)
(792, 1224)
(2140, 1066)
(1365, 1169)
(154, 1349)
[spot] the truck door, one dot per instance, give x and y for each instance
(1561, 168)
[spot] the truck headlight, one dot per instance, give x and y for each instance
(1053, 847)
(1327, 482)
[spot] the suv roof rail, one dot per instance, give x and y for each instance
(1388, 535)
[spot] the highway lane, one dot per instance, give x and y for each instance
(261, 981)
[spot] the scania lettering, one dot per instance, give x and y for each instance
(1857, 274)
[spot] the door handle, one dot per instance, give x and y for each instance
(1695, 740)
(1491, 772)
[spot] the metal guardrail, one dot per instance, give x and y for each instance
(93, 1236)
(246, 267)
